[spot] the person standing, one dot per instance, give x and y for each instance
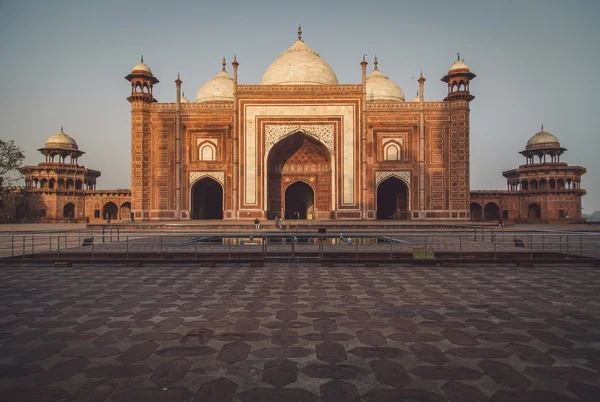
(256, 224)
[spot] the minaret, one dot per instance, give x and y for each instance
(142, 82)
(459, 97)
(363, 136)
(178, 149)
(234, 206)
(458, 79)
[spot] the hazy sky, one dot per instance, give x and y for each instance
(63, 63)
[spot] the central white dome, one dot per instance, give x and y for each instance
(299, 65)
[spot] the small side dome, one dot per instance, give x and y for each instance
(141, 66)
(381, 88)
(218, 89)
(183, 98)
(543, 139)
(416, 98)
(299, 65)
(61, 141)
(459, 66)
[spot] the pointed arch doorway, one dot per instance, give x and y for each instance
(207, 199)
(293, 162)
(299, 201)
(392, 199)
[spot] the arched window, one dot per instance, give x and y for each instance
(533, 184)
(560, 184)
(207, 152)
(70, 184)
(44, 183)
(51, 183)
(61, 183)
(543, 184)
(461, 86)
(524, 185)
(552, 184)
(78, 185)
(392, 152)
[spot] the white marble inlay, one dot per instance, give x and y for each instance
(218, 176)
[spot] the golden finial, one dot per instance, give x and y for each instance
(223, 63)
(183, 93)
(421, 73)
(234, 57)
(61, 129)
(458, 56)
(417, 93)
(542, 127)
(142, 58)
(299, 32)
(375, 62)
(364, 56)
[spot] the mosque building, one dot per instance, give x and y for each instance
(300, 145)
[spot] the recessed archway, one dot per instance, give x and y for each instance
(299, 158)
(491, 212)
(207, 199)
(299, 201)
(476, 212)
(534, 212)
(110, 211)
(392, 199)
(69, 211)
(125, 211)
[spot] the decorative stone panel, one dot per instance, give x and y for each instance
(322, 132)
(402, 175)
(218, 176)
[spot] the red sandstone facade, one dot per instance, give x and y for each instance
(546, 190)
(300, 145)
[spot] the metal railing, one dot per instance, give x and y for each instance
(300, 245)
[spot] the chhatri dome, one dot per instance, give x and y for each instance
(183, 98)
(459, 66)
(299, 65)
(141, 66)
(218, 89)
(543, 139)
(61, 141)
(381, 88)
(416, 98)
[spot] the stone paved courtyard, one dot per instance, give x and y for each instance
(299, 333)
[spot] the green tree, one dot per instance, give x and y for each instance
(11, 159)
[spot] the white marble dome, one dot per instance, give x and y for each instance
(458, 65)
(218, 89)
(299, 65)
(416, 98)
(542, 138)
(61, 141)
(381, 88)
(184, 99)
(141, 66)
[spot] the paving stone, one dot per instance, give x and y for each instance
(331, 352)
(402, 395)
(563, 373)
(277, 395)
(170, 372)
(529, 396)
(339, 391)
(206, 324)
(459, 338)
(404, 324)
(18, 370)
(286, 324)
(324, 325)
(504, 374)
(583, 391)
(566, 326)
(90, 352)
(287, 352)
(428, 353)
(550, 338)
(321, 314)
(60, 372)
(378, 353)
(129, 324)
(42, 352)
(51, 324)
(92, 324)
(279, 372)
(152, 394)
(484, 325)
(219, 390)
(460, 392)
(25, 337)
(69, 336)
(288, 299)
(284, 337)
(371, 337)
(431, 315)
(116, 371)
(168, 324)
(390, 372)
(234, 352)
(156, 336)
(11, 351)
(33, 394)
(358, 315)
(446, 373)
(505, 337)
(111, 337)
(181, 351)
(137, 352)
(246, 325)
(587, 338)
(478, 353)
(579, 353)
(339, 371)
(197, 336)
(93, 392)
(416, 337)
(530, 354)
